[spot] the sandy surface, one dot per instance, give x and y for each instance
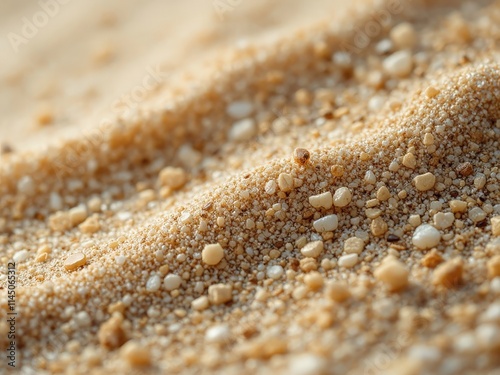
(289, 189)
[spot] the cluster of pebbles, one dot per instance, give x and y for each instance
(315, 208)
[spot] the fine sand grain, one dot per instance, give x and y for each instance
(326, 201)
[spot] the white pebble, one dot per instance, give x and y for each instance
(312, 249)
(307, 364)
(172, 282)
(275, 272)
(323, 200)
(426, 237)
(21, 256)
(326, 224)
(218, 334)
(242, 130)
(348, 261)
(153, 283)
(399, 64)
(476, 214)
(239, 109)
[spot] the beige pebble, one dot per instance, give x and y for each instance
(414, 220)
(314, 280)
(476, 214)
(220, 293)
(212, 254)
(399, 64)
(443, 220)
(424, 181)
(337, 291)
(200, 303)
(90, 225)
(393, 273)
(431, 92)
(354, 245)
(458, 206)
(326, 224)
(285, 182)
(404, 35)
(348, 261)
(312, 249)
(409, 161)
(428, 139)
(495, 226)
(378, 227)
(449, 274)
(342, 197)
(337, 170)
(135, 354)
(494, 267)
(77, 215)
(172, 177)
(323, 200)
(74, 261)
(373, 213)
(383, 194)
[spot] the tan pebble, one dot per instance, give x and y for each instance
(443, 220)
(220, 293)
(301, 156)
(212, 254)
(348, 261)
(424, 181)
(112, 333)
(373, 213)
(313, 280)
(465, 169)
(399, 64)
(135, 354)
(342, 197)
(404, 35)
(414, 220)
(74, 261)
(393, 274)
(354, 245)
(308, 264)
(172, 177)
(42, 257)
(383, 194)
(200, 303)
(449, 274)
(90, 225)
(476, 214)
(378, 227)
(431, 92)
(428, 139)
(299, 292)
(77, 215)
(494, 267)
(495, 226)
(432, 259)
(285, 182)
(312, 249)
(337, 170)
(337, 291)
(409, 161)
(458, 206)
(372, 203)
(323, 200)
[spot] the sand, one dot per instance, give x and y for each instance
(322, 198)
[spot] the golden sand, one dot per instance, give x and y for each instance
(328, 204)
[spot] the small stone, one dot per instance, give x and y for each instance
(404, 35)
(326, 224)
(337, 291)
(172, 282)
(174, 178)
(314, 280)
(494, 267)
(301, 156)
(337, 170)
(20, 256)
(428, 139)
(218, 334)
(383, 194)
(378, 227)
(77, 215)
(285, 182)
(449, 274)
(323, 200)
(270, 187)
(425, 181)
(212, 254)
(153, 284)
(308, 264)
(275, 272)
(90, 225)
(370, 178)
(414, 220)
(426, 237)
(409, 161)
(219, 294)
(200, 303)
(458, 206)
(432, 259)
(312, 249)
(135, 354)
(348, 261)
(465, 169)
(239, 109)
(431, 92)
(354, 245)
(243, 130)
(443, 220)
(74, 261)
(112, 333)
(476, 214)
(495, 226)
(307, 364)
(393, 274)
(399, 64)
(342, 197)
